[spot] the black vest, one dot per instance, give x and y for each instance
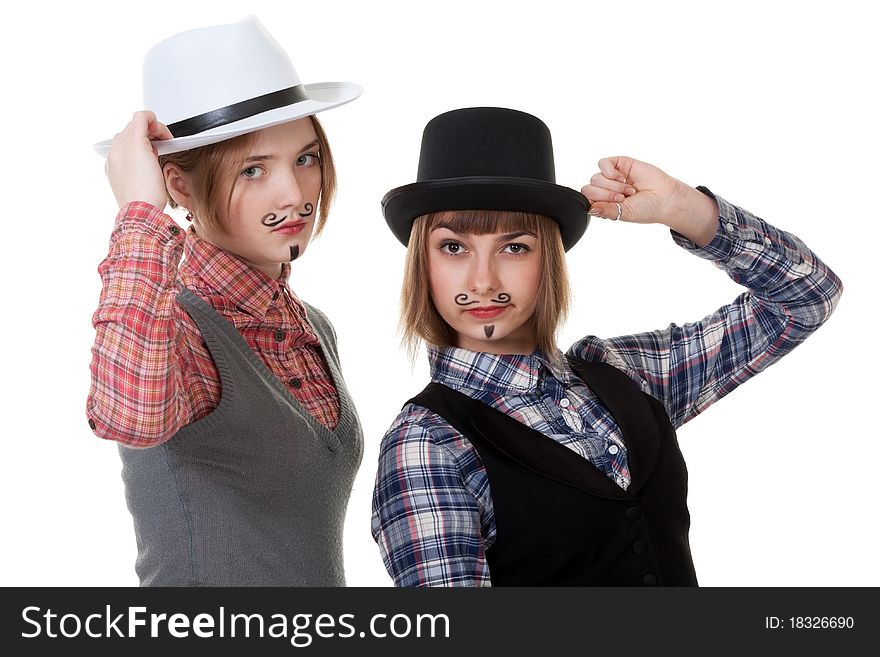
(562, 522)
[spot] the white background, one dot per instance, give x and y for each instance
(770, 104)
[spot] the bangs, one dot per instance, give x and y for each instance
(482, 222)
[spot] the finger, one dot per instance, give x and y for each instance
(595, 193)
(601, 181)
(145, 116)
(158, 130)
(611, 211)
(616, 168)
(138, 127)
(145, 125)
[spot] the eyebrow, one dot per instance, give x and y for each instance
(500, 238)
(513, 236)
(262, 158)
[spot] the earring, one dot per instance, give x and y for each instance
(189, 216)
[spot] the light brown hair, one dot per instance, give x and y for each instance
(419, 318)
(215, 168)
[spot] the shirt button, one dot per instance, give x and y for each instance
(640, 546)
(632, 513)
(613, 449)
(296, 383)
(279, 335)
(275, 296)
(649, 580)
(92, 424)
(174, 230)
(564, 402)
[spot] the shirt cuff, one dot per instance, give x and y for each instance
(145, 218)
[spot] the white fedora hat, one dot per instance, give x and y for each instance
(215, 83)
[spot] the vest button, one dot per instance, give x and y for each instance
(632, 513)
(640, 546)
(649, 580)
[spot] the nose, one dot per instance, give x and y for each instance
(483, 275)
(288, 192)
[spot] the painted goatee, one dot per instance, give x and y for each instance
(489, 329)
(294, 252)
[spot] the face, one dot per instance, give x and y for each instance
(485, 287)
(272, 211)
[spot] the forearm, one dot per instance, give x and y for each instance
(688, 367)
(137, 392)
(779, 270)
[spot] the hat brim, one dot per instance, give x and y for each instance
(402, 205)
(322, 96)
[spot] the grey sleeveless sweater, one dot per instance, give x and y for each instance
(253, 494)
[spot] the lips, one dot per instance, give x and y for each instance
(290, 228)
(486, 312)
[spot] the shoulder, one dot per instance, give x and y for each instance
(316, 315)
(417, 430)
(593, 349)
(319, 322)
(616, 352)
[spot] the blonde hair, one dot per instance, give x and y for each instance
(215, 167)
(419, 318)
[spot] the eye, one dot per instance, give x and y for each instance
(451, 247)
(308, 159)
(516, 248)
(253, 172)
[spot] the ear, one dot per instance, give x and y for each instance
(179, 184)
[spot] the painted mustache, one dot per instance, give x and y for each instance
(464, 300)
(271, 220)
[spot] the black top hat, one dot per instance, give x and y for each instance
(487, 158)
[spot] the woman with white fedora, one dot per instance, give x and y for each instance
(238, 437)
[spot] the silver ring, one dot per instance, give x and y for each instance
(619, 211)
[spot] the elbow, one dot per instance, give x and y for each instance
(823, 301)
(115, 423)
(831, 293)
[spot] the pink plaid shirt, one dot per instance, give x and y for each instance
(151, 371)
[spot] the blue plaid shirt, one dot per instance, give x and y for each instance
(432, 508)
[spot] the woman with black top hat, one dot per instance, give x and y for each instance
(520, 466)
(238, 438)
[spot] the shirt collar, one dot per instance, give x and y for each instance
(497, 373)
(239, 283)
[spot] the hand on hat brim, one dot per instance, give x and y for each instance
(132, 166)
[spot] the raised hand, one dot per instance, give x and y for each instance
(630, 190)
(132, 165)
